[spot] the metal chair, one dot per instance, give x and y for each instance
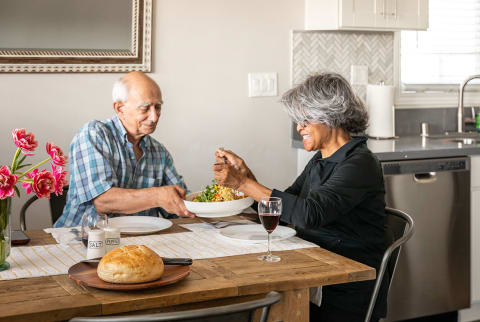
(402, 227)
(214, 313)
(56, 206)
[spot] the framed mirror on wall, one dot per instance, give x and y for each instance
(85, 36)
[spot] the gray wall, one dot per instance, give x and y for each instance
(202, 53)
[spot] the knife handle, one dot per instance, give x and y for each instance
(177, 261)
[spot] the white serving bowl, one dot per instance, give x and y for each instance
(216, 209)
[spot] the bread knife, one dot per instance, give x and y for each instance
(166, 261)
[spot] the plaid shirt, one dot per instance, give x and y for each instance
(101, 157)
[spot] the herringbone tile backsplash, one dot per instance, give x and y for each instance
(336, 51)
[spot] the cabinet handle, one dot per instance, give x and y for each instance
(393, 14)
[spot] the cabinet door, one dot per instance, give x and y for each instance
(366, 14)
(407, 14)
(358, 13)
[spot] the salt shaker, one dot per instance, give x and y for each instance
(112, 238)
(96, 244)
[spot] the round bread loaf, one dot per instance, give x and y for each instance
(130, 264)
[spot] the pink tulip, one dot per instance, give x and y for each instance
(7, 182)
(43, 184)
(56, 154)
(25, 141)
(28, 186)
(60, 179)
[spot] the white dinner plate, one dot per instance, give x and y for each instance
(139, 225)
(256, 233)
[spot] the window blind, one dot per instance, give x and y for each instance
(445, 54)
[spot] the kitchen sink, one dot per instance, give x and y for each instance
(456, 135)
(460, 140)
(464, 137)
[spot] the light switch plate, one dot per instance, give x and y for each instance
(359, 75)
(262, 84)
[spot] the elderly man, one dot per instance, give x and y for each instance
(116, 167)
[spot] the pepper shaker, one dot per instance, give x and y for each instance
(112, 238)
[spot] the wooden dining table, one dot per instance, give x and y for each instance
(211, 282)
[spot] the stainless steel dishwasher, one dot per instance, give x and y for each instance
(433, 270)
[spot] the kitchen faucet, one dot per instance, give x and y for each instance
(460, 118)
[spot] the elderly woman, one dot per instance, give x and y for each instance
(338, 200)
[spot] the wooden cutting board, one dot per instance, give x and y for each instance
(86, 274)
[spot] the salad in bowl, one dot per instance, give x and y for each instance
(217, 201)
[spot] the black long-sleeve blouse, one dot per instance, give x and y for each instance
(338, 203)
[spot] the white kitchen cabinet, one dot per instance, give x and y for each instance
(475, 228)
(473, 313)
(366, 14)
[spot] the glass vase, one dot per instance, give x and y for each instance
(5, 232)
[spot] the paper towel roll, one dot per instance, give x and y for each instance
(381, 111)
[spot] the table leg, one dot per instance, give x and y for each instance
(293, 307)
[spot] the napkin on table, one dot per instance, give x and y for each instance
(64, 235)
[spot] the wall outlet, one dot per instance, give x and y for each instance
(262, 84)
(359, 75)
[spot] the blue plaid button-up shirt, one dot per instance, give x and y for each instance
(101, 157)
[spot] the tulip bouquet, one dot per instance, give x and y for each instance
(42, 183)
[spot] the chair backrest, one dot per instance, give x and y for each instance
(56, 207)
(399, 228)
(218, 313)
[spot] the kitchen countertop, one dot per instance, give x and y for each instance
(415, 147)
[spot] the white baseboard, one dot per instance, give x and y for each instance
(470, 314)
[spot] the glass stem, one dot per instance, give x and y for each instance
(269, 253)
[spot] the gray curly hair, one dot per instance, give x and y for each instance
(326, 98)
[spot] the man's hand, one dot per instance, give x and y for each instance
(171, 199)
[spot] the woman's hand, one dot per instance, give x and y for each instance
(228, 176)
(233, 160)
(231, 171)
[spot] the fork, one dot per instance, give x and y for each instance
(223, 224)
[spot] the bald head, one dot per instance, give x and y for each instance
(137, 100)
(133, 82)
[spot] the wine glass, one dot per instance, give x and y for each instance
(269, 211)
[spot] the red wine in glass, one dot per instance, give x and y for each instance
(270, 221)
(269, 211)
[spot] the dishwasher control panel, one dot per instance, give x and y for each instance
(424, 166)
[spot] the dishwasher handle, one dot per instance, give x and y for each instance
(425, 178)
